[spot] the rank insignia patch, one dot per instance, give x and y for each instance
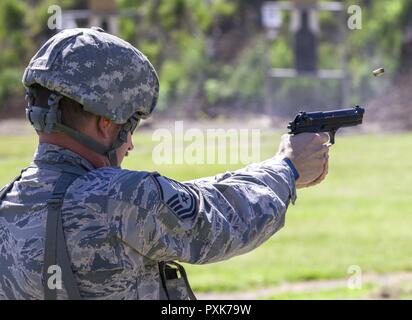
(179, 198)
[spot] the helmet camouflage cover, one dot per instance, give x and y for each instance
(102, 72)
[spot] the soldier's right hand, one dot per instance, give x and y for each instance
(309, 153)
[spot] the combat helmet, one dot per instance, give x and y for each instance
(105, 74)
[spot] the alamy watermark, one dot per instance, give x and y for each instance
(54, 281)
(212, 146)
(55, 20)
(355, 278)
(355, 19)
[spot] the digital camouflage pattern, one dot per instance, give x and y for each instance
(102, 72)
(119, 224)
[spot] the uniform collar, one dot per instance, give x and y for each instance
(53, 153)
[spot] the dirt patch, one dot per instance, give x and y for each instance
(390, 287)
(15, 127)
(392, 109)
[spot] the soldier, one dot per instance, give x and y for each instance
(75, 225)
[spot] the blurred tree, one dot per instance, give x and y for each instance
(405, 65)
(13, 47)
(210, 54)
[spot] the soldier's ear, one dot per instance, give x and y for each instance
(105, 128)
(106, 122)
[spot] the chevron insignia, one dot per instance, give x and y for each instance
(179, 198)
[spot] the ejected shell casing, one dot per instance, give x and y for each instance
(378, 72)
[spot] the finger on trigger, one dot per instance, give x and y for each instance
(305, 137)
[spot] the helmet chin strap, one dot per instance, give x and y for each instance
(49, 120)
(129, 126)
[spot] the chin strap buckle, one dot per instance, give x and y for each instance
(44, 119)
(54, 114)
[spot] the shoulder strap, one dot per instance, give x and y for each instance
(44, 165)
(55, 252)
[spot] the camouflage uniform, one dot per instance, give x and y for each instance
(119, 224)
(121, 227)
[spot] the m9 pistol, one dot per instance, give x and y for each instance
(328, 121)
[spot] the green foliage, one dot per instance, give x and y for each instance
(281, 53)
(243, 79)
(12, 37)
(23, 27)
(180, 76)
(377, 44)
(178, 45)
(13, 45)
(215, 52)
(185, 31)
(10, 82)
(11, 16)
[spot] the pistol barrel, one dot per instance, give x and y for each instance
(326, 121)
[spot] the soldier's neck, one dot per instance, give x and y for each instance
(64, 141)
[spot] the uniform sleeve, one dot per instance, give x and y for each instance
(209, 219)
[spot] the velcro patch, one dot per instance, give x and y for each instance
(179, 198)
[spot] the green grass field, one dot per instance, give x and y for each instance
(361, 215)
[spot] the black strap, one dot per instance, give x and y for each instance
(44, 165)
(50, 248)
(186, 280)
(55, 247)
(64, 260)
(168, 270)
(55, 252)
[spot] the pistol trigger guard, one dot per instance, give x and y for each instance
(332, 136)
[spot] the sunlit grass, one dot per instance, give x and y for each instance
(361, 215)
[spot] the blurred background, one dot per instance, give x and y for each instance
(219, 57)
(255, 63)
